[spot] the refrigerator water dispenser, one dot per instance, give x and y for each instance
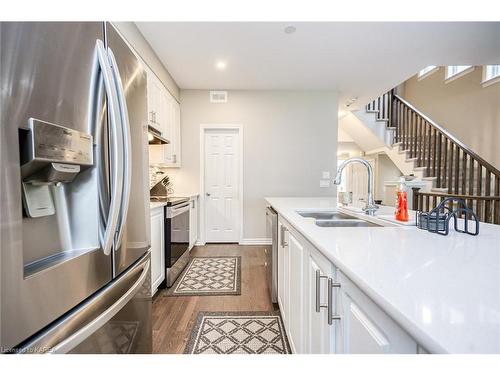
(50, 155)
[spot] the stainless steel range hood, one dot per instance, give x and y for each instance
(155, 138)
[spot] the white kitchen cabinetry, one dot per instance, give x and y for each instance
(319, 335)
(193, 221)
(157, 248)
(291, 285)
(359, 327)
(164, 114)
(365, 328)
(283, 273)
(296, 293)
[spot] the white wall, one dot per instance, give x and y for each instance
(290, 137)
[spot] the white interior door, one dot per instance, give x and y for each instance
(222, 200)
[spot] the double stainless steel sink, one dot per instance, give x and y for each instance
(335, 219)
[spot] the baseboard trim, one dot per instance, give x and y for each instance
(255, 241)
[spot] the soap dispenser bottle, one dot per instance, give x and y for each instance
(401, 213)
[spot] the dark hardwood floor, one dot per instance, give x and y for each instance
(174, 317)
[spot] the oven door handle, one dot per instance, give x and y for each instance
(179, 210)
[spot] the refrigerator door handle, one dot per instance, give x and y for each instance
(94, 314)
(127, 148)
(116, 148)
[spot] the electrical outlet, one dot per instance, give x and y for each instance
(326, 174)
(324, 183)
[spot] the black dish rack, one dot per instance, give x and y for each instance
(437, 220)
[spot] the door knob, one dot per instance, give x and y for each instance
(208, 194)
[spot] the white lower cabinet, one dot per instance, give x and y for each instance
(365, 328)
(319, 335)
(157, 248)
(193, 221)
(283, 273)
(357, 326)
(296, 296)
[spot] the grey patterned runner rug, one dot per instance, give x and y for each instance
(238, 333)
(209, 276)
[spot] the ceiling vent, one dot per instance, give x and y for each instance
(218, 96)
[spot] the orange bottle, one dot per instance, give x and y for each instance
(401, 213)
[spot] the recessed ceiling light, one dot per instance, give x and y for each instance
(290, 29)
(220, 65)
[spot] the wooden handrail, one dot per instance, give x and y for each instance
(454, 139)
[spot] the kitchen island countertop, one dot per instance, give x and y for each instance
(443, 290)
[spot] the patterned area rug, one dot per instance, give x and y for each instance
(238, 333)
(209, 276)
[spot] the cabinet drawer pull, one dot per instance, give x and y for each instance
(332, 317)
(318, 290)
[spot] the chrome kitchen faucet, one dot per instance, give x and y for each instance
(370, 206)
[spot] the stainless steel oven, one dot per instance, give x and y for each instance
(176, 239)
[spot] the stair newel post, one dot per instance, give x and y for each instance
(415, 200)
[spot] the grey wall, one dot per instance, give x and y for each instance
(135, 38)
(465, 108)
(290, 137)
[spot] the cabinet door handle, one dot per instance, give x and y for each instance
(283, 230)
(331, 317)
(318, 290)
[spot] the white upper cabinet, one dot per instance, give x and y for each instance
(164, 114)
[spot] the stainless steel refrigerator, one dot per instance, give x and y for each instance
(75, 263)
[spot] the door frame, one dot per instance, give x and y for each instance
(203, 129)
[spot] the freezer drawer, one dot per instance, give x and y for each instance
(117, 319)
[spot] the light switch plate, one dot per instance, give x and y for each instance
(326, 174)
(324, 183)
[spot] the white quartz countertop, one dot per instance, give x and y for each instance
(443, 290)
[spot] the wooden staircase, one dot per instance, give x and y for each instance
(455, 170)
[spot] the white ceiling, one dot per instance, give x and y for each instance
(356, 59)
